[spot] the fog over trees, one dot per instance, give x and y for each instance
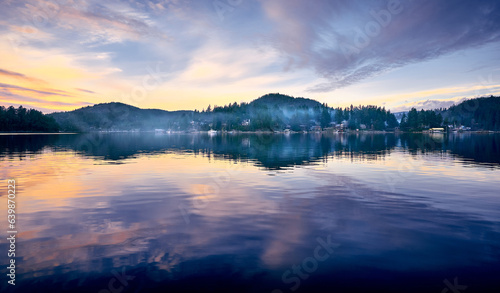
(271, 112)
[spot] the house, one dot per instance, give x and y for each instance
(436, 130)
(339, 126)
(316, 128)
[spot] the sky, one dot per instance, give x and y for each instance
(61, 55)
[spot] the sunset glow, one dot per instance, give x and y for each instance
(62, 55)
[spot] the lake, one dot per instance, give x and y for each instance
(141, 212)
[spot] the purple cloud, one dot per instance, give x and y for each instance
(24, 99)
(51, 92)
(348, 41)
(85, 91)
(19, 76)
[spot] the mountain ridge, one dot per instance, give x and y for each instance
(103, 116)
(271, 112)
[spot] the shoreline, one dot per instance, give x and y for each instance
(260, 132)
(37, 133)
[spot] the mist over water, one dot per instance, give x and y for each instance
(247, 212)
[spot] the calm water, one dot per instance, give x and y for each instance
(254, 213)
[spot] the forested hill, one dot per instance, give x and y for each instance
(480, 113)
(116, 116)
(270, 112)
(473, 114)
(284, 101)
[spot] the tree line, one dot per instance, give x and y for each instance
(480, 113)
(366, 117)
(279, 112)
(420, 120)
(476, 114)
(272, 112)
(22, 119)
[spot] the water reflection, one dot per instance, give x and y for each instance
(267, 150)
(193, 213)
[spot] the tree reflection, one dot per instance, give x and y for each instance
(271, 151)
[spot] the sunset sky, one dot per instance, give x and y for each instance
(173, 54)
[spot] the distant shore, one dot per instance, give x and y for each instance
(259, 132)
(31, 133)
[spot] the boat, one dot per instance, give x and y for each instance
(438, 130)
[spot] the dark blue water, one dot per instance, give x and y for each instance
(254, 213)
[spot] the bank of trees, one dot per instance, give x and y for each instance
(480, 113)
(369, 117)
(278, 112)
(420, 120)
(22, 119)
(269, 113)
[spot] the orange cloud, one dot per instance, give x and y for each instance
(16, 75)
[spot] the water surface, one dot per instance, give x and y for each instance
(247, 213)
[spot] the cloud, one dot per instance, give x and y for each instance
(87, 47)
(438, 97)
(108, 26)
(9, 98)
(50, 92)
(348, 41)
(19, 76)
(88, 22)
(85, 91)
(11, 73)
(427, 105)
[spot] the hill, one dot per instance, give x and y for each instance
(115, 116)
(269, 112)
(479, 113)
(284, 101)
(473, 114)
